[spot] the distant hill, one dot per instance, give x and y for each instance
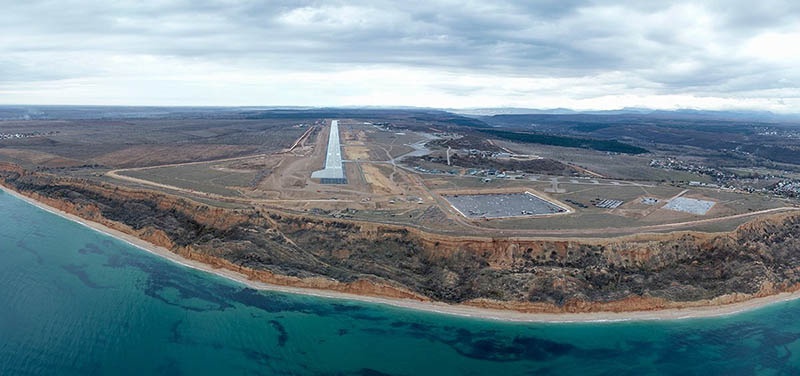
(743, 134)
(764, 116)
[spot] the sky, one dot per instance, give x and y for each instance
(577, 54)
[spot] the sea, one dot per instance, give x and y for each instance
(74, 301)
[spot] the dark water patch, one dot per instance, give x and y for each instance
(371, 372)
(416, 326)
(774, 351)
(185, 298)
(119, 260)
(80, 272)
(38, 234)
(486, 345)
(540, 349)
(91, 248)
(271, 302)
(520, 348)
(367, 317)
(22, 244)
(124, 256)
(357, 312)
(377, 332)
(175, 332)
(191, 292)
(283, 336)
(259, 357)
(775, 338)
(640, 346)
(339, 307)
(170, 366)
(419, 327)
(358, 372)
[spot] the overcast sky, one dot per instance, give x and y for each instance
(722, 54)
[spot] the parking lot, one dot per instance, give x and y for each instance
(503, 205)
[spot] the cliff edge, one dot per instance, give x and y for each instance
(648, 272)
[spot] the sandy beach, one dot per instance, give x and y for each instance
(459, 310)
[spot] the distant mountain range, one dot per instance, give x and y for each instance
(21, 112)
(765, 116)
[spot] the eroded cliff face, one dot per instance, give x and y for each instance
(653, 272)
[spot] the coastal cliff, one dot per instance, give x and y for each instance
(647, 272)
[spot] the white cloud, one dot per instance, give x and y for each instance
(579, 54)
(772, 47)
(334, 17)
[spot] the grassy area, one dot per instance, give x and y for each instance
(200, 177)
(585, 193)
(380, 142)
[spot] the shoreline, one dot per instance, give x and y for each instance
(432, 307)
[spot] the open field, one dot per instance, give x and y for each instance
(379, 179)
(206, 177)
(614, 166)
(367, 142)
(33, 159)
(144, 142)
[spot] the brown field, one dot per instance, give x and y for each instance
(31, 158)
(354, 152)
(153, 155)
(379, 182)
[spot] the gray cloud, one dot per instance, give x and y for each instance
(676, 47)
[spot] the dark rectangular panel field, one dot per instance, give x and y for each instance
(502, 205)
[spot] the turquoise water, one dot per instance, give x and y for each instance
(77, 302)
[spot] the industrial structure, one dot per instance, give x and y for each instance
(333, 173)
